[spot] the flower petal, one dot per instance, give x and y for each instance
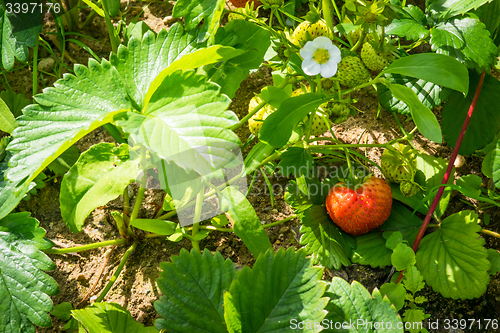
(307, 51)
(311, 67)
(322, 42)
(334, 52)
(329, 69)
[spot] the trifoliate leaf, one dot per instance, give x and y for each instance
(453, 259)
(353, 304)
(109, 318)
(24, 287)
(465, 39)
(279, 289)
(193, 285)
(98, 177)
(327, 245)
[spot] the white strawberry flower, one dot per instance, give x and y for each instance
(320, 57)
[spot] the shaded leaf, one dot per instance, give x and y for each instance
(279, 288)
(246, 223)
(15, 102)
(24, 287)
(296, 161)
(485, 121)
(323, 240)
(453, 259)
(407, 28)
(193, 285)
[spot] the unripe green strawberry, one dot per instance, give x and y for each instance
(256, 121)
(409, 188)
(351, 72)
(398, 167)
(339, 112)
(357, 211)
(317, 29)
(372, 59)
(318, 125)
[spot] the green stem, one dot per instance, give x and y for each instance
(336, 10)
(119, 241)
(111, 28)
(269, 225)
(327, 14)
(360, 41)
(374, 81)
(35, 67)
(491, 233)
(196, 219)
(117, 272)
(126, 202)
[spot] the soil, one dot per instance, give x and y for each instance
(80, 273)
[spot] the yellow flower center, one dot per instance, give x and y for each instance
(321, 56)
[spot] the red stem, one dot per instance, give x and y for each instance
(448, 170)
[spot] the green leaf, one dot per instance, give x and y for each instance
(431, 173)
(186, 123)
(274, 95)
(354, 304)
(453, 259)
(465, 39)
(413, 280)
(160, 227)
(436, 68)
(194, 11)
(430, 94)
(24, 287)
(278, 127)
(10, 192)
(371, 249)
(326, 244)
(280, 288)
(495, 158)
(449, 8)
(98, 177)
(246, 223)
(415, 317)
(297, 161)
(241, 35)
(394, 240)
(193, 285)
(109, 318)
(407, 28)
(395, 292)
(494, 258)
(470, 185)
(306, 192)
(7, 120)
(402, 257)
(62, 311)
(485, 121)
(423, 117)
(192, 60)
(113, 7)
(65, 161)
(15, 102)
(256, 156)
(150, 57)
(18, 31)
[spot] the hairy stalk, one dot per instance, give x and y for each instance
(448, 169)
(119, 241)
(490, 233)
(360, 41)
(117, 272)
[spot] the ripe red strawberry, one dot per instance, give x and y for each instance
(361, 210)
(241, 3)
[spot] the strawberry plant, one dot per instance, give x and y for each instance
(165, 97)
